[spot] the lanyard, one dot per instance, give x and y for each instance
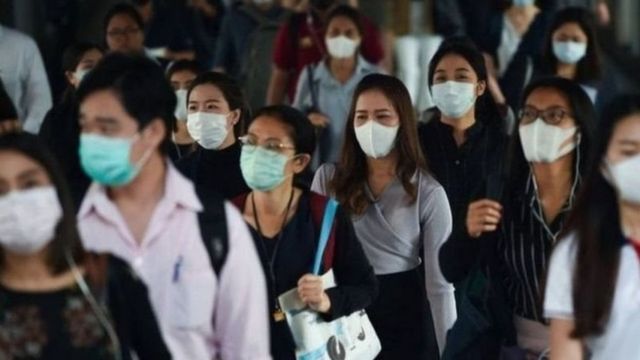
(278, 315)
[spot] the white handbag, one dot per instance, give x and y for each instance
(346, 338)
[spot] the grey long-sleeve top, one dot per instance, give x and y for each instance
(393, 229)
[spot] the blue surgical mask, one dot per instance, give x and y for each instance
(262, 170)
(569, 52)
(107, 161)
(523, 3)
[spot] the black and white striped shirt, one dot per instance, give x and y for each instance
(524, 247)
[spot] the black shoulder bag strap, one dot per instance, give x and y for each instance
(213, 228)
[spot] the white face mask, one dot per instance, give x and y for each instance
(375, 139)
(181, 105)
(80, 74)
(208, 129)
(454, 99)
(569, 52)
(623, 176)
(546, 143)
(28, 219)
(341, 46)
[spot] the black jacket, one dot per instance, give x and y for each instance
(215, 170)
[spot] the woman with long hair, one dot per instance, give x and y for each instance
(466, 138)
(56, 300)
(593, 280)
(511, 232)
(397, 209)
(571, 50)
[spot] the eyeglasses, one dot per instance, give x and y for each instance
(551, 116)
(122, 32)
(271, 145)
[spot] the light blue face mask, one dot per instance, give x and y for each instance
(523, 3)
(569, 52)
(262, 170)
(107, 161)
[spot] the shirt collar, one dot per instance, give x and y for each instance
(178, 192)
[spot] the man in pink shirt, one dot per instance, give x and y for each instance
(142, 210)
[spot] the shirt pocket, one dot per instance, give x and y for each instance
(192, 300)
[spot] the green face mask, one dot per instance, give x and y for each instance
(263, 170)
(107, 161)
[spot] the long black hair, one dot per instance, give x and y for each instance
(595, 221)
(486, 109)
(589, 67)
(582, 111)
(66, 235)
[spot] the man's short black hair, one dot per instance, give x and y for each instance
(140, 85)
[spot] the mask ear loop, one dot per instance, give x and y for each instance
(100, 314)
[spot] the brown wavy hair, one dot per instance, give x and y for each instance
(352, 171)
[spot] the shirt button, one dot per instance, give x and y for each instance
(137, 262)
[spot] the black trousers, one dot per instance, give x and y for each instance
(401, 316)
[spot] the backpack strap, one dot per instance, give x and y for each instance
(318, 206)
(196, 160)
(213, 228)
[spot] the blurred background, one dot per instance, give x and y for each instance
(189, 28)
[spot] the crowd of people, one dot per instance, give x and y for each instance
(484, 171)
